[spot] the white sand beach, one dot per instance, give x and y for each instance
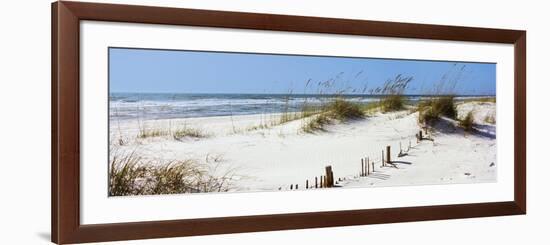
(269, 158)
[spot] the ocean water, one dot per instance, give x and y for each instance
(126, 106)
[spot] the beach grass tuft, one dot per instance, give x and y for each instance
(175, 177)
(467, 123)
(125, 173)
(132, 175)
(148, 133)
(428, 116)
(343, 110)
(186, 132)
(339, 109)
(316, 123)
(392, 91)
(393, 102)
(177, 134)
(431, 110)
(445, 105)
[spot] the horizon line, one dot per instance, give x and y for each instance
(356, 94)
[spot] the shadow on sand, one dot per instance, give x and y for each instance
(401, 162)
(449, 126)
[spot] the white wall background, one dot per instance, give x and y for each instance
(25, 121)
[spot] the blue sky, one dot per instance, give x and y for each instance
(169, 71)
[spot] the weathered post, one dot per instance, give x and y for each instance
(330, 179)
(296, 186)
(383, 163)
(388, 156)
(366, 166)
(307, 184)
(420, 135)
(373, 166)
(362, 168)
(322, 181)
(291, 185)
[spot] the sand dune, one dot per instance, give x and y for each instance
(272, 157)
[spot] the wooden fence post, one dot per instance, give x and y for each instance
(330, 178)
(362, 168)
(388, 154)
(373, 166)
(315, 182)
(420, 135)
(307, 184)
(383, 164)
(367, 166)
(322, 181)
(296, 186)
(291, 185)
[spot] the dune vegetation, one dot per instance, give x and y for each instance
(432, 109)
(467, 123)
(392, 93)
(131, 174)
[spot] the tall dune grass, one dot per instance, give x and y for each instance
(316, 123)
(432, 109)
(392, 91)
(338, 109)
(130, 174)
(126, 175)
(343, 110)
(467, 123)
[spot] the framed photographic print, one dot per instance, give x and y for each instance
(176, 122)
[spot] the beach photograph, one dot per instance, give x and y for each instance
(192, 122)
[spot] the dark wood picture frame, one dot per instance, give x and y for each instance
(65, 175)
